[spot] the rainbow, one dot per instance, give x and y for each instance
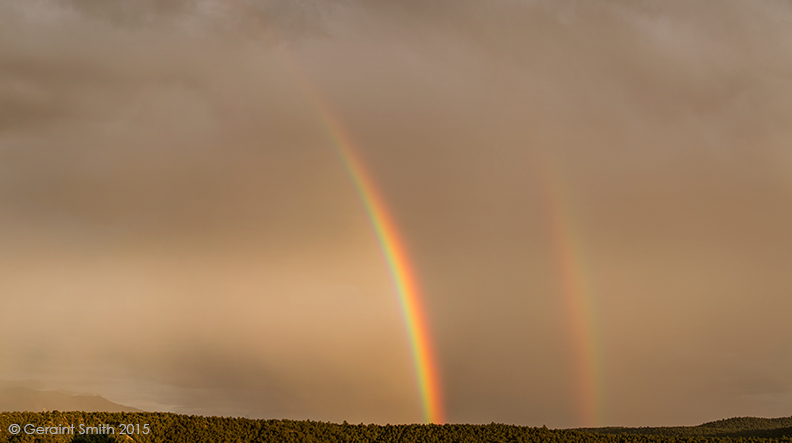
(395, 251)
(576, 295)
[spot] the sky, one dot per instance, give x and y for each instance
(594, 198)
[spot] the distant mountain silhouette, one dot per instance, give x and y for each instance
(730, 427)
(750, 423)
(17, 398)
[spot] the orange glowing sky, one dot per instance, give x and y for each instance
(591, 201)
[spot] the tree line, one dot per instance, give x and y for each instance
(175, 428)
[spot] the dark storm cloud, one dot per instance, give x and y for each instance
(147, 134)
(164, 153)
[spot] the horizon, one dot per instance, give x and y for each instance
(520, 211)
(28, 385)
(137, 411)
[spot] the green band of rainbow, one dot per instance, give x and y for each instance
(415, 319)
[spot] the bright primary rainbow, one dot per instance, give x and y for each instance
(568, 260)
(415, 319)
(576, 296)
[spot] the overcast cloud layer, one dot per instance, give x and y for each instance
(177, 232)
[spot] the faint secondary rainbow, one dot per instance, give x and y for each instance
(575, 290)
(394, 249)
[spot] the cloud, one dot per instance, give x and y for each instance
(174, 155)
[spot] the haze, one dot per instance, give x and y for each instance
(178, 233)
